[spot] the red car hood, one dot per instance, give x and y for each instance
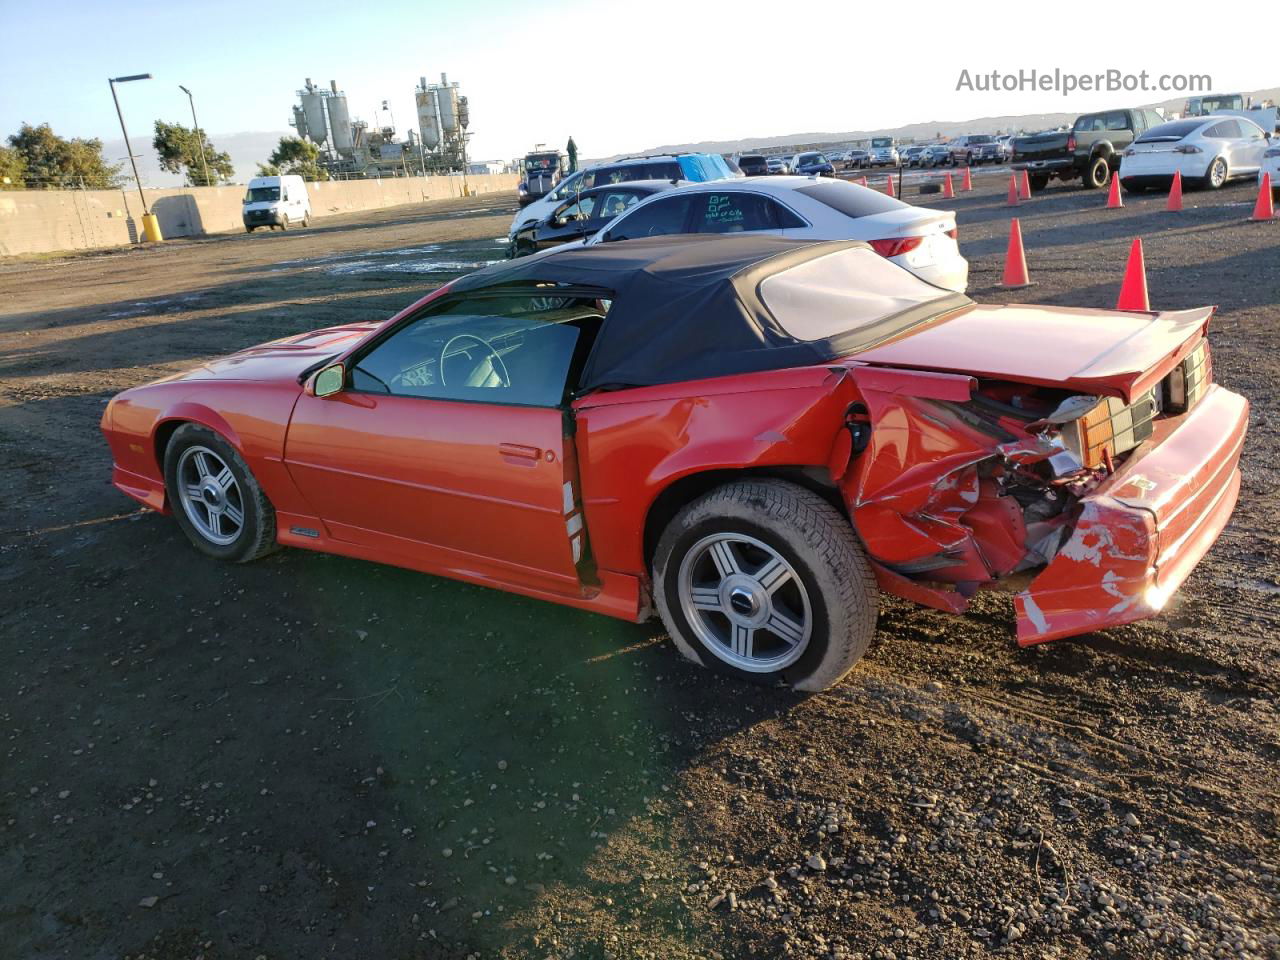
(281, 359)
(1095, 351)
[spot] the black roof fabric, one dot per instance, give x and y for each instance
(685, 307)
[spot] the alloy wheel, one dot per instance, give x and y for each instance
(211, 497)
(745, 602)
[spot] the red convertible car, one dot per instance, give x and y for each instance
(749, 434)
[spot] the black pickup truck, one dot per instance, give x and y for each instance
(1090, 150)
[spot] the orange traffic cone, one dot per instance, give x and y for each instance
(1013, 190)
(968, 180)
(1114, 200)
(889, 189)
(1133, 292)
(1264, 209)
(1024, 189)
(1015, 260)
(1175, 193)
(948, 189)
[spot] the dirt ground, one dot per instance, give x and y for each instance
(311, 756)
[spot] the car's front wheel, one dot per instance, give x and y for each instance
(765, 580)
(215, 498)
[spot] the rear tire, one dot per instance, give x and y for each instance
(248, 229)
(1216, 175)
(306, 220)
(793, 564)
(1038, 181)
(1098, 173)
(230, 518)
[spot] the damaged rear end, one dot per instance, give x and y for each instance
(1093, 493)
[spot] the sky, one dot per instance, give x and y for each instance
(617, 76)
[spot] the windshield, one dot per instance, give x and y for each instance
(879, 143)
(842, 292)
(262, 194)
(811, 158)
(541, 162)
(982, 139)
(1213, 104)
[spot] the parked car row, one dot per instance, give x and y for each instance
(806, 163)
(811, 207)
(1145, 150)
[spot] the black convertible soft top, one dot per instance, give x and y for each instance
(689, 307)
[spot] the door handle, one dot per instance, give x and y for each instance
(520, 451)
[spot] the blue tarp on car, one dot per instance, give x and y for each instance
(702, 167)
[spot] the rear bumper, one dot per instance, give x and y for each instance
(1061, 165)
(1141, 533)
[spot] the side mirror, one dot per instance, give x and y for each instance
(329, 381)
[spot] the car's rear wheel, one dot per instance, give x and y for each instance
(1038, 181)
(1098, 173)
(765, 580)
(1216, 175)
(215, 497)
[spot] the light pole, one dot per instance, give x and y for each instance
(195, 126)
(149, 224)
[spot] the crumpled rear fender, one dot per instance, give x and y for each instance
(910, 491)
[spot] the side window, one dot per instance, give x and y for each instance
(1089, 124)
(511, 350)
(784, 218)
(615, 202)
(731, 212)
(1250, 130)
(663, 170)
(1221, 131)
(658, 219)
(1117, 120)
(575, 210)
(285, 197)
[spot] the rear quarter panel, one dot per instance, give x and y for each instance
(633, 444)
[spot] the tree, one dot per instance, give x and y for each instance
(52, 162)
(294, 156)
(13, 168)
(179, 150)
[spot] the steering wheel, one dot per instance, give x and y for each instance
(495, 360)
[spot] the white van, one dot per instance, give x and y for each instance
(276, 202)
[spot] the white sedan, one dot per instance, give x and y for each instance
(1208, 151)
(916, 238)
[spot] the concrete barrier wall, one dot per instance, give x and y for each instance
(44, 221)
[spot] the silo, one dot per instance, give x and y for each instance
(300, 121)
(340, 124)
(448, 95)
(313, 108)
(427, 115)
(464, 113)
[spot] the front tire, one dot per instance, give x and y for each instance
(284, 222)
(215, 498)
(765, 581)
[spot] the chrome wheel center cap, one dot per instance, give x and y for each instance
(744, 600)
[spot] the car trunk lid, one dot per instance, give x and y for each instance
(1103, 352)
